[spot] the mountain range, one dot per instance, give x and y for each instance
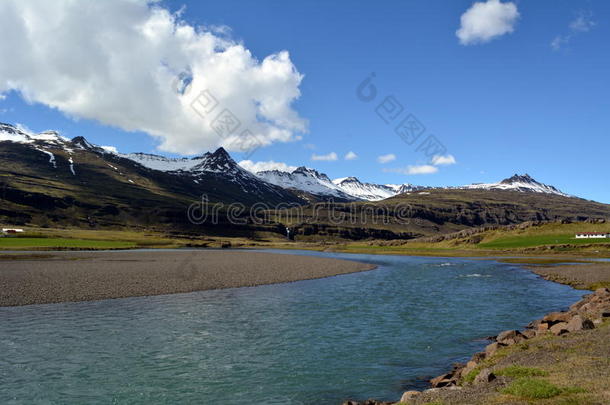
(46, 178)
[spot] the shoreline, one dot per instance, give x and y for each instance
(482, 377)
(55, 277)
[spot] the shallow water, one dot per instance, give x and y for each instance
(371, 334)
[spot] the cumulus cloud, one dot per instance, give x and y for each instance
(439, 160)
(330, 157)
(255, 167)
(110, 149)
(386, 158)
(484, 21)
(582, 23)
(411, 170)
(350, 156)
(134, 65)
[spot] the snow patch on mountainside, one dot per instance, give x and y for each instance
(162, 163)
(51, 157)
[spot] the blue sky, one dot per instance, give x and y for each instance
(532, 100)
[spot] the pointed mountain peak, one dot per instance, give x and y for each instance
(80, 141)
(343, 180)
(302, 169)
(221, 153)
(517, 178)
(307, 171)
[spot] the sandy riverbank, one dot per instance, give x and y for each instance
(86, 276)
(582, 276)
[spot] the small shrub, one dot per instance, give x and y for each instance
(520, 371)
(532, 388)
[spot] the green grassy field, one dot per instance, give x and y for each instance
(60, 243)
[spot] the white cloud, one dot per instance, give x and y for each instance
(558, 42)
(110, 149)
(2, 96)
(255, 167)
(411, 170)
(386, 158)
(330, 157)
(438, 160)
(351, 156)
(116, 62)
(484, 21)
(309, 146)
(582, 23)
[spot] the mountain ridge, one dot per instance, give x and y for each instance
(309, 183)
(49, 180)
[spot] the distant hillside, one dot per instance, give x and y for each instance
(438, 211)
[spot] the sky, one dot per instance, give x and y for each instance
(392, 91)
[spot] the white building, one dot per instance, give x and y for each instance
(592, 235)
(11, 230)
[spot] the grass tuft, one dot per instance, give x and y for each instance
(532, 388)
(520, 371)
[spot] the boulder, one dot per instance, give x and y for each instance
(471, 365)
(542, 328)
(408, 396)
(559, 328)
(602, 292)
(556, 317)
(578, 323)
(492, 348)
(529, 333)
(509, 337)
(534, 324)
(444, 380)
(484, 377)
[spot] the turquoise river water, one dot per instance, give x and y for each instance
(370, 334)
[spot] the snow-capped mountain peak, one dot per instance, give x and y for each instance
(371, 191)
(218, 161)
(17, 134)
(304, 179)
(523, 183)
